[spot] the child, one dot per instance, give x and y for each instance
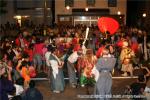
(22, 67)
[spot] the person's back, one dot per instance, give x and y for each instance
(38, 48)
(32, 93)
(138, 87)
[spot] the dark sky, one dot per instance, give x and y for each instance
(134, 11)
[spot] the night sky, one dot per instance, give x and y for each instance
(134, 11)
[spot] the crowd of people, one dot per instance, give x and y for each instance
(53, 50)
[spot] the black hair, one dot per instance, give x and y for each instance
(20, 81)
(32, 84)
(23, 63)
(141, 78)
(108, 47)
(25, 55)
(51, 48)
(107, 32)
(31, 46)
(18, 97)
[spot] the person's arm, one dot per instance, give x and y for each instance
(18, 65)
(9, 74)
(148, 72)
(142, 90)
(99, 64)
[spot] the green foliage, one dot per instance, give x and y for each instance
(87, 81)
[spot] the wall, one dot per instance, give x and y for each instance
(60, 6)
(9, 15)
(30, 12)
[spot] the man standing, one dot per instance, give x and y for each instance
(72, 59)
(105, 65)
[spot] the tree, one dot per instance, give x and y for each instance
(3, 4)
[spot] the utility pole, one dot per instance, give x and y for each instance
(53, 12)
(45, 13)
(45, 17)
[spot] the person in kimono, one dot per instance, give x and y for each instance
(104, 66)
(57, 77)
(87, 64)
(126, 59)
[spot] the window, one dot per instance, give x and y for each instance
(69, 3)
(85, 20)
(64, 18)
(112, 3)
(90, 2)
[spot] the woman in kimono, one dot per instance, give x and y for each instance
(105, 65)
(57, 77)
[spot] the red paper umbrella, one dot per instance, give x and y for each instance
(108, 24)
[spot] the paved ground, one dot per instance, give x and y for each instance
(72, 94)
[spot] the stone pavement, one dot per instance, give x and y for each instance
(73, 94)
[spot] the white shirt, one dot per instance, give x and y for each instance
(73, 57)
(22, 43)
(55, 66)
(147, 89)
(96, 73)
(47, 55)
(19, 89)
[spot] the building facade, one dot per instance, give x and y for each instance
(10, 12)
(63, 11)
(88, 11)
(37, 11)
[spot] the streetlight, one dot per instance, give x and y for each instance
(86, 9)
(67, 7)
(144, 14)
(119, 13)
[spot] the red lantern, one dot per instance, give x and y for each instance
(107, 24)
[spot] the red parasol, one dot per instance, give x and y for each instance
(108, 24)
